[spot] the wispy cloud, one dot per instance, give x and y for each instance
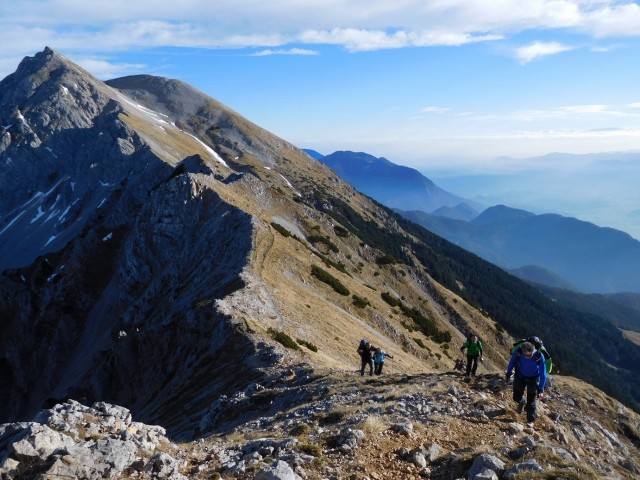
(570, 112)
(106, 70)
(434, 109)
(283, 51)
(536, 50)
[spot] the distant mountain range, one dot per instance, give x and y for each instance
(573, 254)
(396, 186)
(549, 249)
(599, 187)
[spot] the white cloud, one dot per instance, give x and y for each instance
(540, 49)
(564, 113)
(560, 112)
(358, 40)
(117, 24)
(282, 51)
(612, 19)
(105, 70)
(435, 109)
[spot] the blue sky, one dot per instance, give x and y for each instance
(430, 84)
(473, 93)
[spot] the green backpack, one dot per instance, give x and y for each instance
(548, 363)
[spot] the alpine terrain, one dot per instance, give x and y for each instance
(182, 294)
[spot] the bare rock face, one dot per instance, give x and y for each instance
(75, 441)
(66, 158)
(113, 259)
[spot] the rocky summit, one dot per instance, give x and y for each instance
(183, 293)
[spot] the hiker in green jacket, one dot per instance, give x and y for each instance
(474, 352)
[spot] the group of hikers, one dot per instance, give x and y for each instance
(529, 364)
(371, 357)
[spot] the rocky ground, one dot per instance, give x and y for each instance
(339, 425)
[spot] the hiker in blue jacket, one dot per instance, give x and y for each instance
(530, 373)
(378, 360)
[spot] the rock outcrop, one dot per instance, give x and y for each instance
(337, 426)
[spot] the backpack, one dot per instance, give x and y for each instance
(548, 363)
(378, 357)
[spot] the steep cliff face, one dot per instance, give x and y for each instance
(140, 262)
(122, 256)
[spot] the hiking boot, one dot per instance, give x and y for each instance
(520, 406)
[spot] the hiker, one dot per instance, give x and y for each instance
(530, 374)
(365, 350)
(548, 363)
(378, 360)
(474, 352)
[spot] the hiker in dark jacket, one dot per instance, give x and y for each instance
(530, 374)
(365, 350)
(474, 351)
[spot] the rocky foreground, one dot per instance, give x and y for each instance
(339, 425)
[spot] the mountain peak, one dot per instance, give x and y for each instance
(393, 185)
(501, 213)
(41, 67)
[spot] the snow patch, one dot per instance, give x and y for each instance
(53, 214)
(39, 214)
(156, 116)
(51, 239)
(63, 215)
(213, 153)
(286, 181)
